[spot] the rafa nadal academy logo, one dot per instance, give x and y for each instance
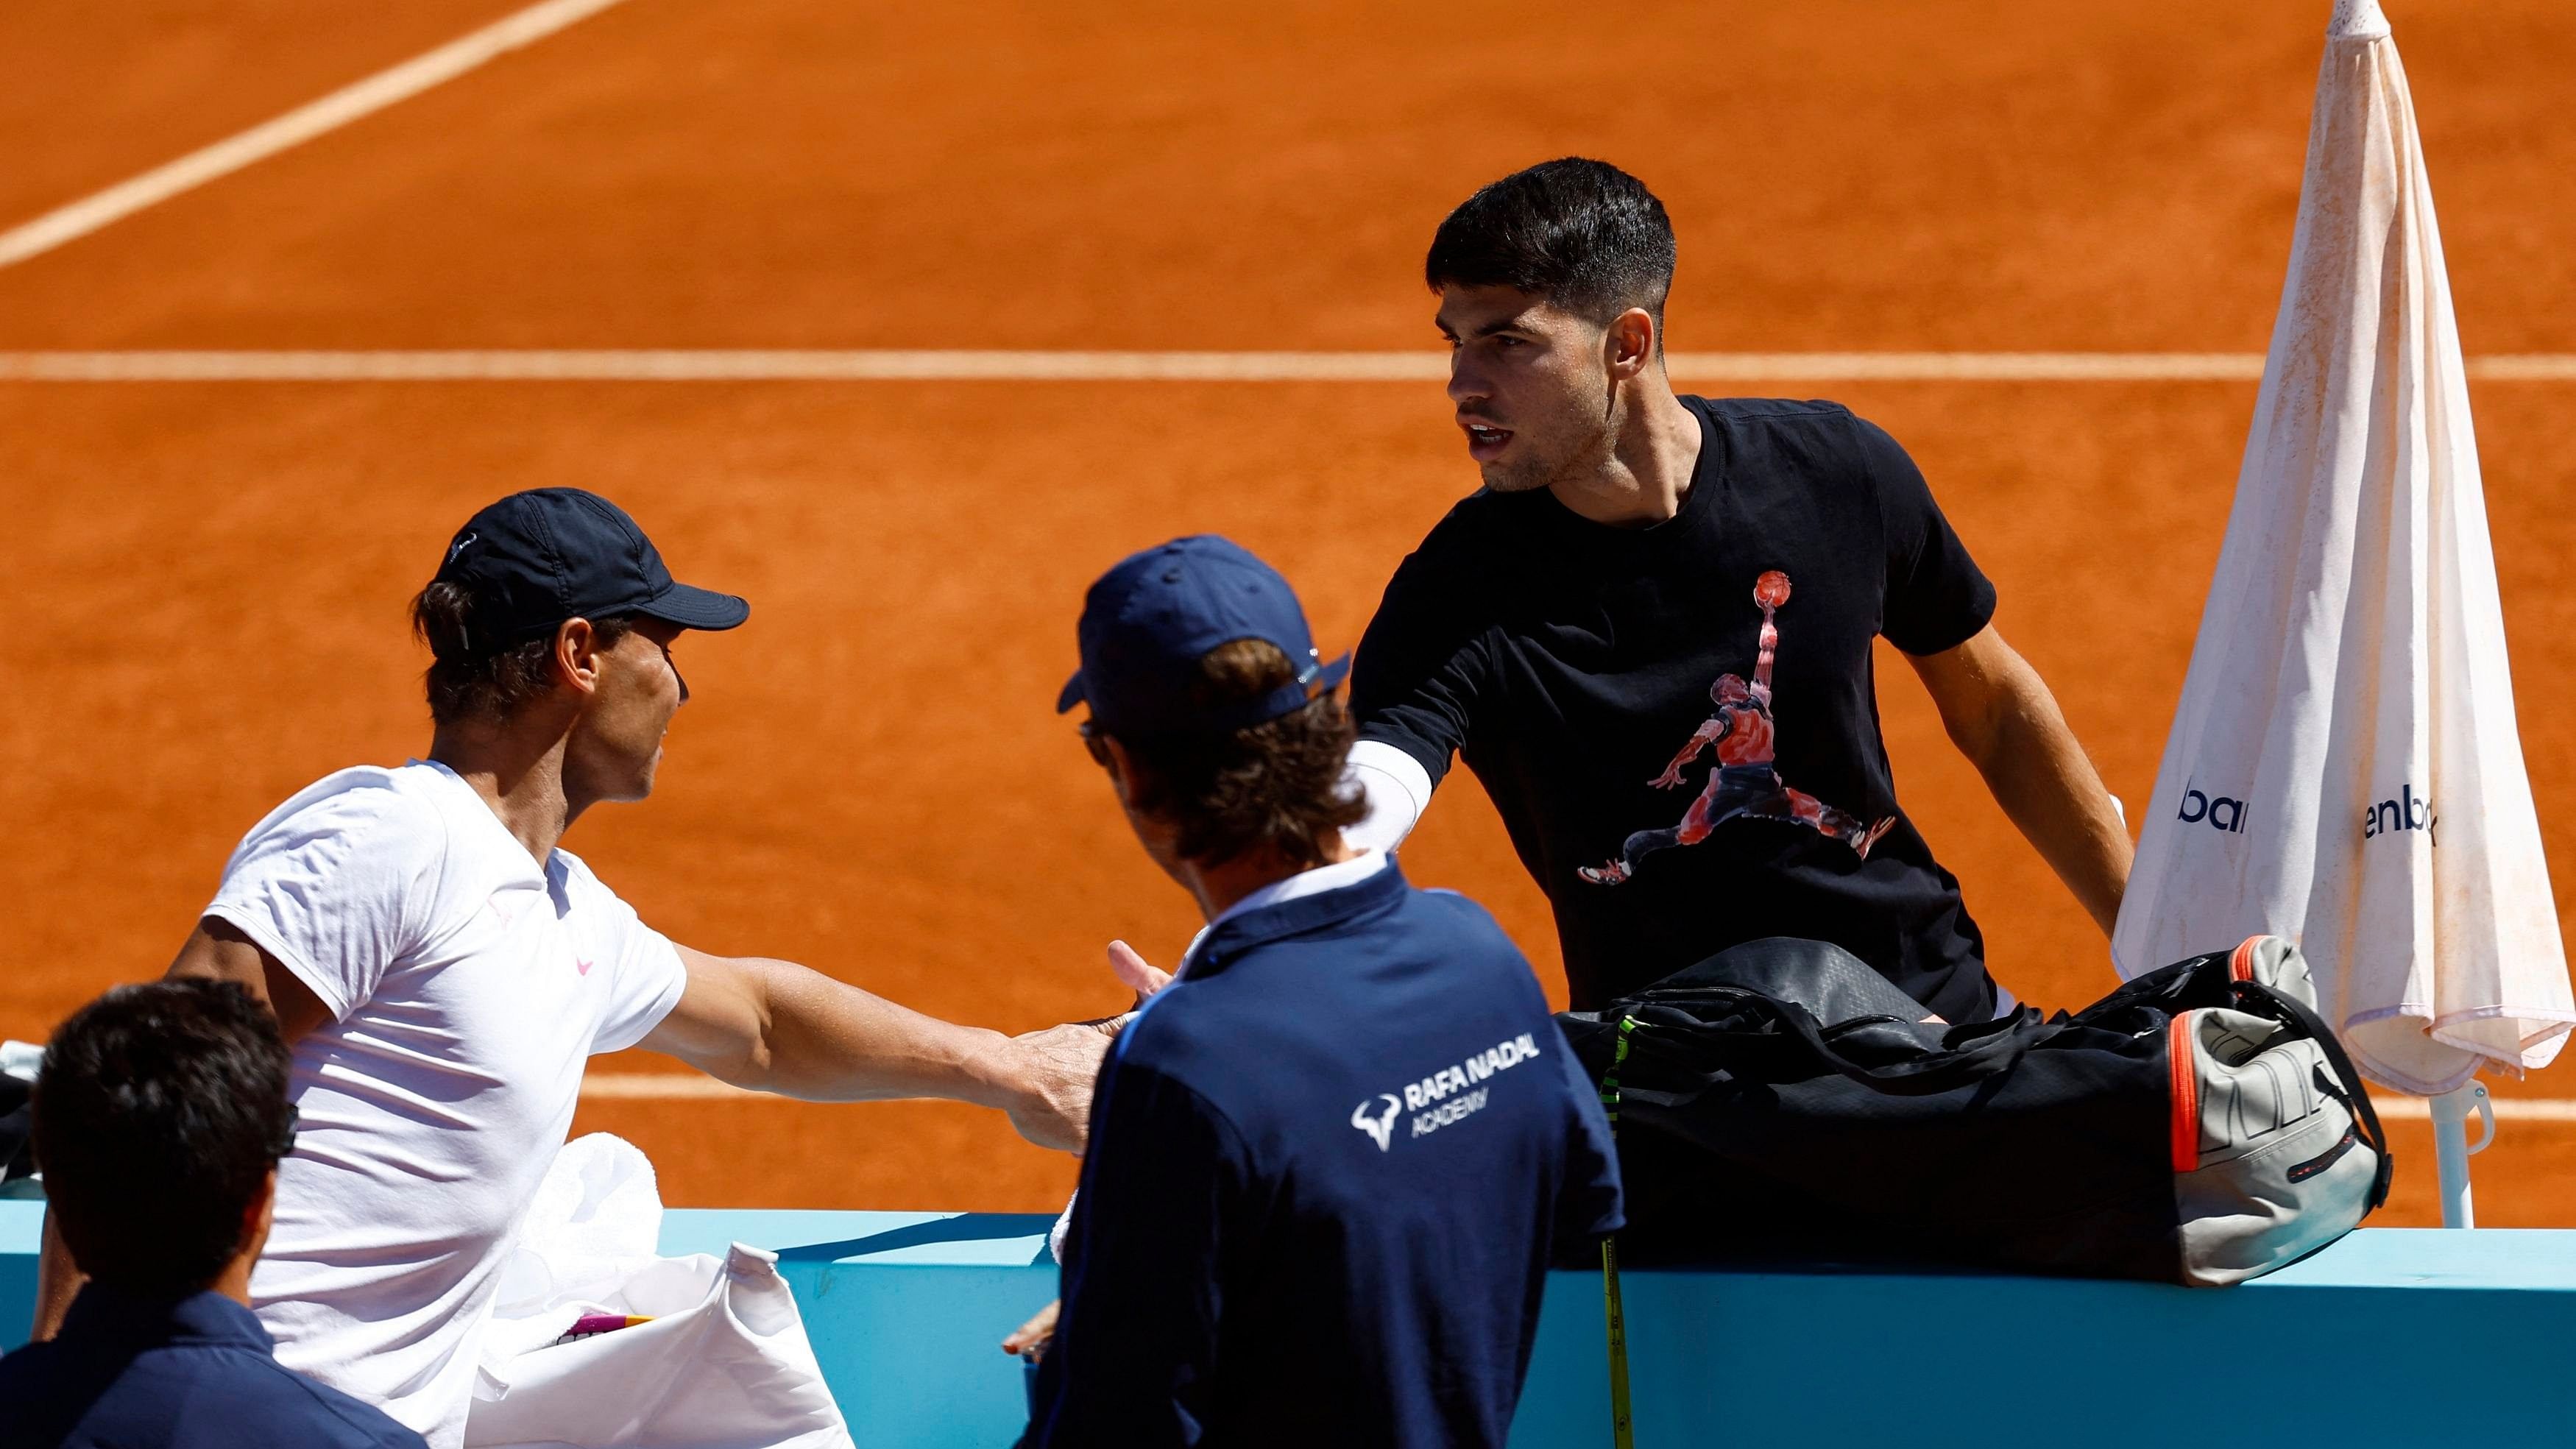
(1451, 1094)
(1380, 1127)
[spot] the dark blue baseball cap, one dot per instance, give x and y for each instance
(1147, 622)
(537, 558)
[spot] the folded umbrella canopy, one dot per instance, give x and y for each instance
(2344, 767)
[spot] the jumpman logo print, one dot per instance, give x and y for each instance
(1746, 783)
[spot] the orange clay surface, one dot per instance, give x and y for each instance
(204, 584)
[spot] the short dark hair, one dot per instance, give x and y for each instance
(1585, 235)
(1277, 785)
(158, 1114)
(468, 682)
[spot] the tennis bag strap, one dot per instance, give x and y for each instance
(1622, 1434)
(1990, 1051)
(2346, 1089)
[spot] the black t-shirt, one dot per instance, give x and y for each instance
(1570, 663)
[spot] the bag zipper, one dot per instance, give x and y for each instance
(2240, 966)
(2184, 1083)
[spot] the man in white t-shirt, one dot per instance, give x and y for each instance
(442, 970)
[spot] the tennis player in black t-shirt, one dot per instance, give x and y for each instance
(1649, 633)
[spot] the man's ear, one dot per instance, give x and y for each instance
(1122, 769)
(259, 1213)
(1629, 347)
(577, 652)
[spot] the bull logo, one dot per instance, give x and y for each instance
(1380, 1128)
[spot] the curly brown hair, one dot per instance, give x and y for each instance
(468, 683)
(1277, 785)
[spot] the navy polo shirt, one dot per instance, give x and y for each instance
(153, 1373)
(1326, 1169)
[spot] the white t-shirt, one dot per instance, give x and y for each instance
(467, 987)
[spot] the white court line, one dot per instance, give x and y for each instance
(668, 365)
(297, 126)
(888, 364)
(692, 1087)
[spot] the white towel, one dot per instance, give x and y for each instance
(2344, 768)
(722, 1358)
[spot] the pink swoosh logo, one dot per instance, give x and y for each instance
(582, 966)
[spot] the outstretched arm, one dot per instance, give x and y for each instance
(774, 1026)
(2002, 717)
(1707, 734)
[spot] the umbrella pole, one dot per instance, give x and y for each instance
(2451, 1149)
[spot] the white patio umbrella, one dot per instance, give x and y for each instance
(2344, 767)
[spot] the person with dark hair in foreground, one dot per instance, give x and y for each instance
(442, 969)
(1328, 1161)
(1644, 571)
(159, 1122)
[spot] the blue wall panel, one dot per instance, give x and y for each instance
(2392, 1337)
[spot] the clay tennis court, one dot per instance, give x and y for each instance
(205, 581)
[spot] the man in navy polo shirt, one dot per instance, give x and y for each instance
(159, 1123)
(1328, 1162)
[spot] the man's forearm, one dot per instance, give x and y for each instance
(2002, 717)
(827, 1041)
(58, 1281)
(2044, 782)
(774, 1026)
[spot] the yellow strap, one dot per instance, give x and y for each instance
(1622, 1434)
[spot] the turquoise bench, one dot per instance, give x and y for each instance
(2412, 1337)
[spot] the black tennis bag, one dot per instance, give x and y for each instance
(1782, 1102)
(17, 1127)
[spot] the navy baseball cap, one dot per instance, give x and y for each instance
(537, 558)
(1148, 621)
